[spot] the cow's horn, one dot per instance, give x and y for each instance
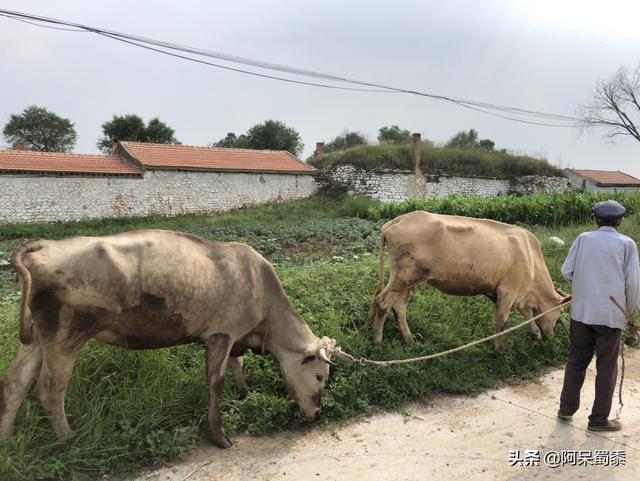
(322, 355)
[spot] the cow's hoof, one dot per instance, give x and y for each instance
(243, 393)
(221, 440)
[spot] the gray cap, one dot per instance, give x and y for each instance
(608, 210)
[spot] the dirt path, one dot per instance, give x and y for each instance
(453, 438)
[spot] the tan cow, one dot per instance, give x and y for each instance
(465, 257)
(148, 289)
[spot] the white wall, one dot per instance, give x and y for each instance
(36, 198)
(394, 186)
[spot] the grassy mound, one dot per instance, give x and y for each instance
(439, 160)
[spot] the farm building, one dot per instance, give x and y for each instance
(142, 179)
(602, 180)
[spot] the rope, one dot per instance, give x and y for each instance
(622, 336)
(620, 403)
(364, 361)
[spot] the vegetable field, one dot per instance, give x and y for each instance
(137, 409)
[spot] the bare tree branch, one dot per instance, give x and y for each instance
(614, 106)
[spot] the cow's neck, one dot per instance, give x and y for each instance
(285, 330)
(546, 295)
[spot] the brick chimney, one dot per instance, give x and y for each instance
(416, 141)
(114, 146)
(319, 152)
(418, 184)
(20, 146)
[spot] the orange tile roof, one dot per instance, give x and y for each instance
(64, 163)
(608, 177)
(181, 157)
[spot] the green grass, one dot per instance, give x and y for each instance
(138, 409)
(439, 160)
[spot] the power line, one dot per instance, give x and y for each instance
(506, 112)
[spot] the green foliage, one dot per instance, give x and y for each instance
(393, 135)
(551, 210)
(439, 160)
(136, 409)
(40, 130)
(232, 141)
(469, 140)
(269, 135)
(464, 139)
(486, 144)
(274, 135)
(346, 140)
(132, 127)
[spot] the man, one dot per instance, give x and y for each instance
(600, 264)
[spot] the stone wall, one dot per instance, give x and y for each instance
(39, 198)
(394, 186)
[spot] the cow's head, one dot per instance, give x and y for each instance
(548, 322)
(306, 373)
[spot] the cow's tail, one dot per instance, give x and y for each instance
(374, 307)
(26, 321)
(383, 241)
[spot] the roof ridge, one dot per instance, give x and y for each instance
(201, 147)
(56, 154)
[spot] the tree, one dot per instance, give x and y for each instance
(228, 141)
(393, 135)
(41, 130)
(486, 144)
(614, 107)
(345, 141)
(269, 135)
(231, 141)
(274, 135)
(464, 139)
(132, 127)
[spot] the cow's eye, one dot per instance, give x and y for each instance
(319, 378)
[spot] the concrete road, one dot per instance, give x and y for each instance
(452, 438)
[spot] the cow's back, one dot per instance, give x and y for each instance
(462, 255)
(154, 280)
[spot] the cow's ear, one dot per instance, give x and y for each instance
(309, 358)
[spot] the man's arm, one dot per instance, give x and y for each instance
(570, 262)
(632, 277)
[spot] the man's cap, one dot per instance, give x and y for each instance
(609, 210)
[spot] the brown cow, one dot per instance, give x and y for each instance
(465, 257)
(148, 289)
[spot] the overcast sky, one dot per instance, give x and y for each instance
(541, 55)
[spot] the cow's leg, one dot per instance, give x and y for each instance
(58, 359)
(400, 310)
(16, 382)
(396, 300)
(504, 303)
(236, 363)
(535, 330)
(61, 342)
(218, 349)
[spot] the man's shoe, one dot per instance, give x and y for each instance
(564, 417)
(610, 425)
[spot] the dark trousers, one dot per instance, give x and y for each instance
(585, 340)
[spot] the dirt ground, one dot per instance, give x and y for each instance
(453, 438)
